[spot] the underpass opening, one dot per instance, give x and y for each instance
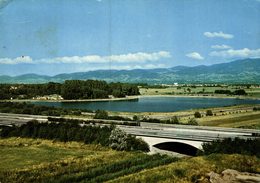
(178, 147)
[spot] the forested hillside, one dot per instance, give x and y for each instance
(238, 71)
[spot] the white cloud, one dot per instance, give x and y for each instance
(121, 67)
(73, 59)
(231, 53)
(130, 67)
(221, 47)
(140, 57)
(218, 34)
(195, 55)
(22, 59)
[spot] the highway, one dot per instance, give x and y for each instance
(185, 132)
(19, 119)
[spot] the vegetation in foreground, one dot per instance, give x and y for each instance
(73, 131)
(233, 146)
(35, 160)
(194, 169)
(28, 160)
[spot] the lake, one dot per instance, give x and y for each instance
(153, 104)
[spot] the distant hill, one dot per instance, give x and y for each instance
(239, 71)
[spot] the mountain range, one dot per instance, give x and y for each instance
(239, 71)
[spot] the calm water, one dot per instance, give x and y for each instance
(153, 104)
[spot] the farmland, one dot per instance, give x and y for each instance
(30, 160)
(198, 90)
(240, 116)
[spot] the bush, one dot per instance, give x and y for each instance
(228, 92)
(119, 140)
(233, 146)
(192, 121)
(240, 92)
(209, 113)
(70, 130)
(28, 108)
(197, 114)
(152, 120)
(175, 120)
(101, 114)
(136, 118)
(63, 131)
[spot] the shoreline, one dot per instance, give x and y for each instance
(77, 100)
(134, 98)
(200, 96)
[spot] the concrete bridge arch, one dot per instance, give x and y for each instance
(177, 146)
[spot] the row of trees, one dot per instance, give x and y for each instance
(91, 89)
(27, 108)
(228, 92)
(233, 146)
(27, 91)
(72, 131)
(70, 89)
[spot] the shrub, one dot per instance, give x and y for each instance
(192, 121)
(240, 92)
(101, 114)
(232, 146)
(228, 92)
(175, 120)
(63, 131)
(197, 114)
(119, 140)
(209, 113)
(136, 118)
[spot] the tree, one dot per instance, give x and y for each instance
(192, 121)
(118, 139)
(175, 120)
(240, 92)
(209, 113)
(101, 114)
(136, 118)
(197, 114)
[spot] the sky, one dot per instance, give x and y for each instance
(50, 37)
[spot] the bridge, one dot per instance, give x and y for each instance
(183, 139)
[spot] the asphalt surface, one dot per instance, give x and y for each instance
(195, 133)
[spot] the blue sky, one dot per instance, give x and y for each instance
(63, 36)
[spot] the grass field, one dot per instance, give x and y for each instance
(193, 169)
(28, 160)
(32, 160)
(253, 92)
(239, 116)
(242, 120)
(22, 152)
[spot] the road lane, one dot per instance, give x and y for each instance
(196, 133)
